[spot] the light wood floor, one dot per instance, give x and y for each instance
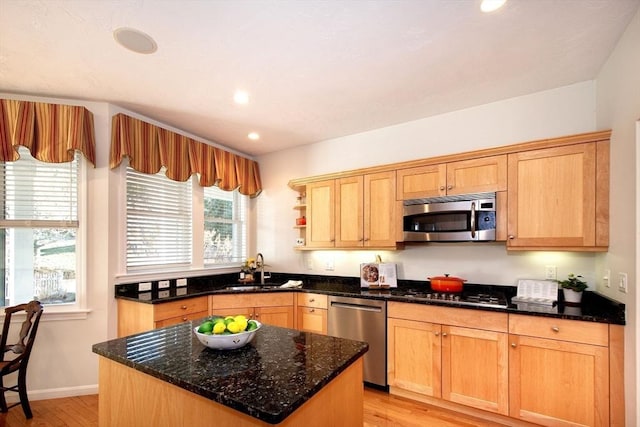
(380, 410)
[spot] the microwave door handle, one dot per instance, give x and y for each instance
(473, 220)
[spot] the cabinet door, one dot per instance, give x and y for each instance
(475, 368)
(276, 316)
(486, 174)
(312, 319)
(380, 209)
(421, 182)
(320, 214)
(349, 208)
(413, 356)
(233, 311)
(558, 383)
(551, 197)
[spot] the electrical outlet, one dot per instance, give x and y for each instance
(309, 262)
(181, 282)
(550, 272)
(329, 264)
(163, 284)
(606, 279)
(163, 294)
(622, 282)
(144, 286)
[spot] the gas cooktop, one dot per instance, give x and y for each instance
(494, 299)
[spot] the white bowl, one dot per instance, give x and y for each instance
(227, 342)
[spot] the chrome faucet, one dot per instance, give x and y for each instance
(260, 265)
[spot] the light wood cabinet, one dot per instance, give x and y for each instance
(559, 371)
(353, 212)
(135, 317)
(480, 175)
(558, 198)
(272, 309)
(449, 353)
(311, 312)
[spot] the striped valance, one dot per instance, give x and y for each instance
(51, 132)
(151, 147)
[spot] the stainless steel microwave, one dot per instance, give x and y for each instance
(450, 219)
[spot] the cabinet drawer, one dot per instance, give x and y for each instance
(560, 329)
(180, 319)
(312, 300)
(168, 310)
(274, 299)
(468, 318)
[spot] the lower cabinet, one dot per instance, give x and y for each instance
(135, 317)
(559, 371)
(454, 354)
(271, 309)
(311, 312)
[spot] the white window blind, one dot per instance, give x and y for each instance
(159, 221)
(39, 193)
(225, 226)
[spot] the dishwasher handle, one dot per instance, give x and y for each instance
(356, 306)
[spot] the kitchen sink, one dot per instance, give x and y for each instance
(250, 287)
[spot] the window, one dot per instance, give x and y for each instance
(225, 226)
(159, 222)
(38, 230)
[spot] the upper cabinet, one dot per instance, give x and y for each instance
(352, 212)
(552, 194)
(480, 175)
(558, 198)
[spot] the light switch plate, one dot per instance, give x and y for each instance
(163, 284)
(144, 286)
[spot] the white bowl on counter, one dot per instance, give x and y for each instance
(227, 342)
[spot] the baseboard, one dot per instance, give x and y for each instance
(54, 393)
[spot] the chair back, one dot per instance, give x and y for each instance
(26, 337)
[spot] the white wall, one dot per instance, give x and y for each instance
(618, 108)
(562, 111)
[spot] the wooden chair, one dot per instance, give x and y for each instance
(33, 310)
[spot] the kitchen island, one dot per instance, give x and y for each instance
(166, 377)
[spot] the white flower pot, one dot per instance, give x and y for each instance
(572, 296)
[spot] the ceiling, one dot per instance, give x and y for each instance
(314, 70)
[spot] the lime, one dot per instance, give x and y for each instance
(252, 325)
(219, 328)
(218, 320)
(206, 327)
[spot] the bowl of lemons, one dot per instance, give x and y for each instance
(227, 333)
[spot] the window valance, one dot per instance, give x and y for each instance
(51, 132)
(151, 147)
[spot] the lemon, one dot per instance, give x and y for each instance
(228, 320)
(240, 318)
(206, 327)
(233, 327)
(242, 325)
(219, 328)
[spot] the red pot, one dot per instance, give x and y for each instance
(446, 283)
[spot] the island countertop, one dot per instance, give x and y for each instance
(267, 379)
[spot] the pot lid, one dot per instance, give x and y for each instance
(447, 277)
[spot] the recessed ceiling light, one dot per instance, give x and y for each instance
(135, 40)
(491, 5)
(254, 136)
(241, 97)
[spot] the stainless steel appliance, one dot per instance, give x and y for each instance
(450, 219)
(485, 298)
(362, 319)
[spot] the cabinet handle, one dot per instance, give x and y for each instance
(514, 345)
(442, 187)
(555, 329)
(257, 315)
(184, 307)
(449, 187)
(444, 334)
(312, 310)
(437, 334)
(511, 237)
(184, 319)
(312, 299)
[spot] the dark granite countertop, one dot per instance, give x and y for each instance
(594, 307)
(268, 378)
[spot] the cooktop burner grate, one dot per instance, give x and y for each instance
(479, 299)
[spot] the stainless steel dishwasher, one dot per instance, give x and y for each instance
(362, 319)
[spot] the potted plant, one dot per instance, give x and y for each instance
(572, 288)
